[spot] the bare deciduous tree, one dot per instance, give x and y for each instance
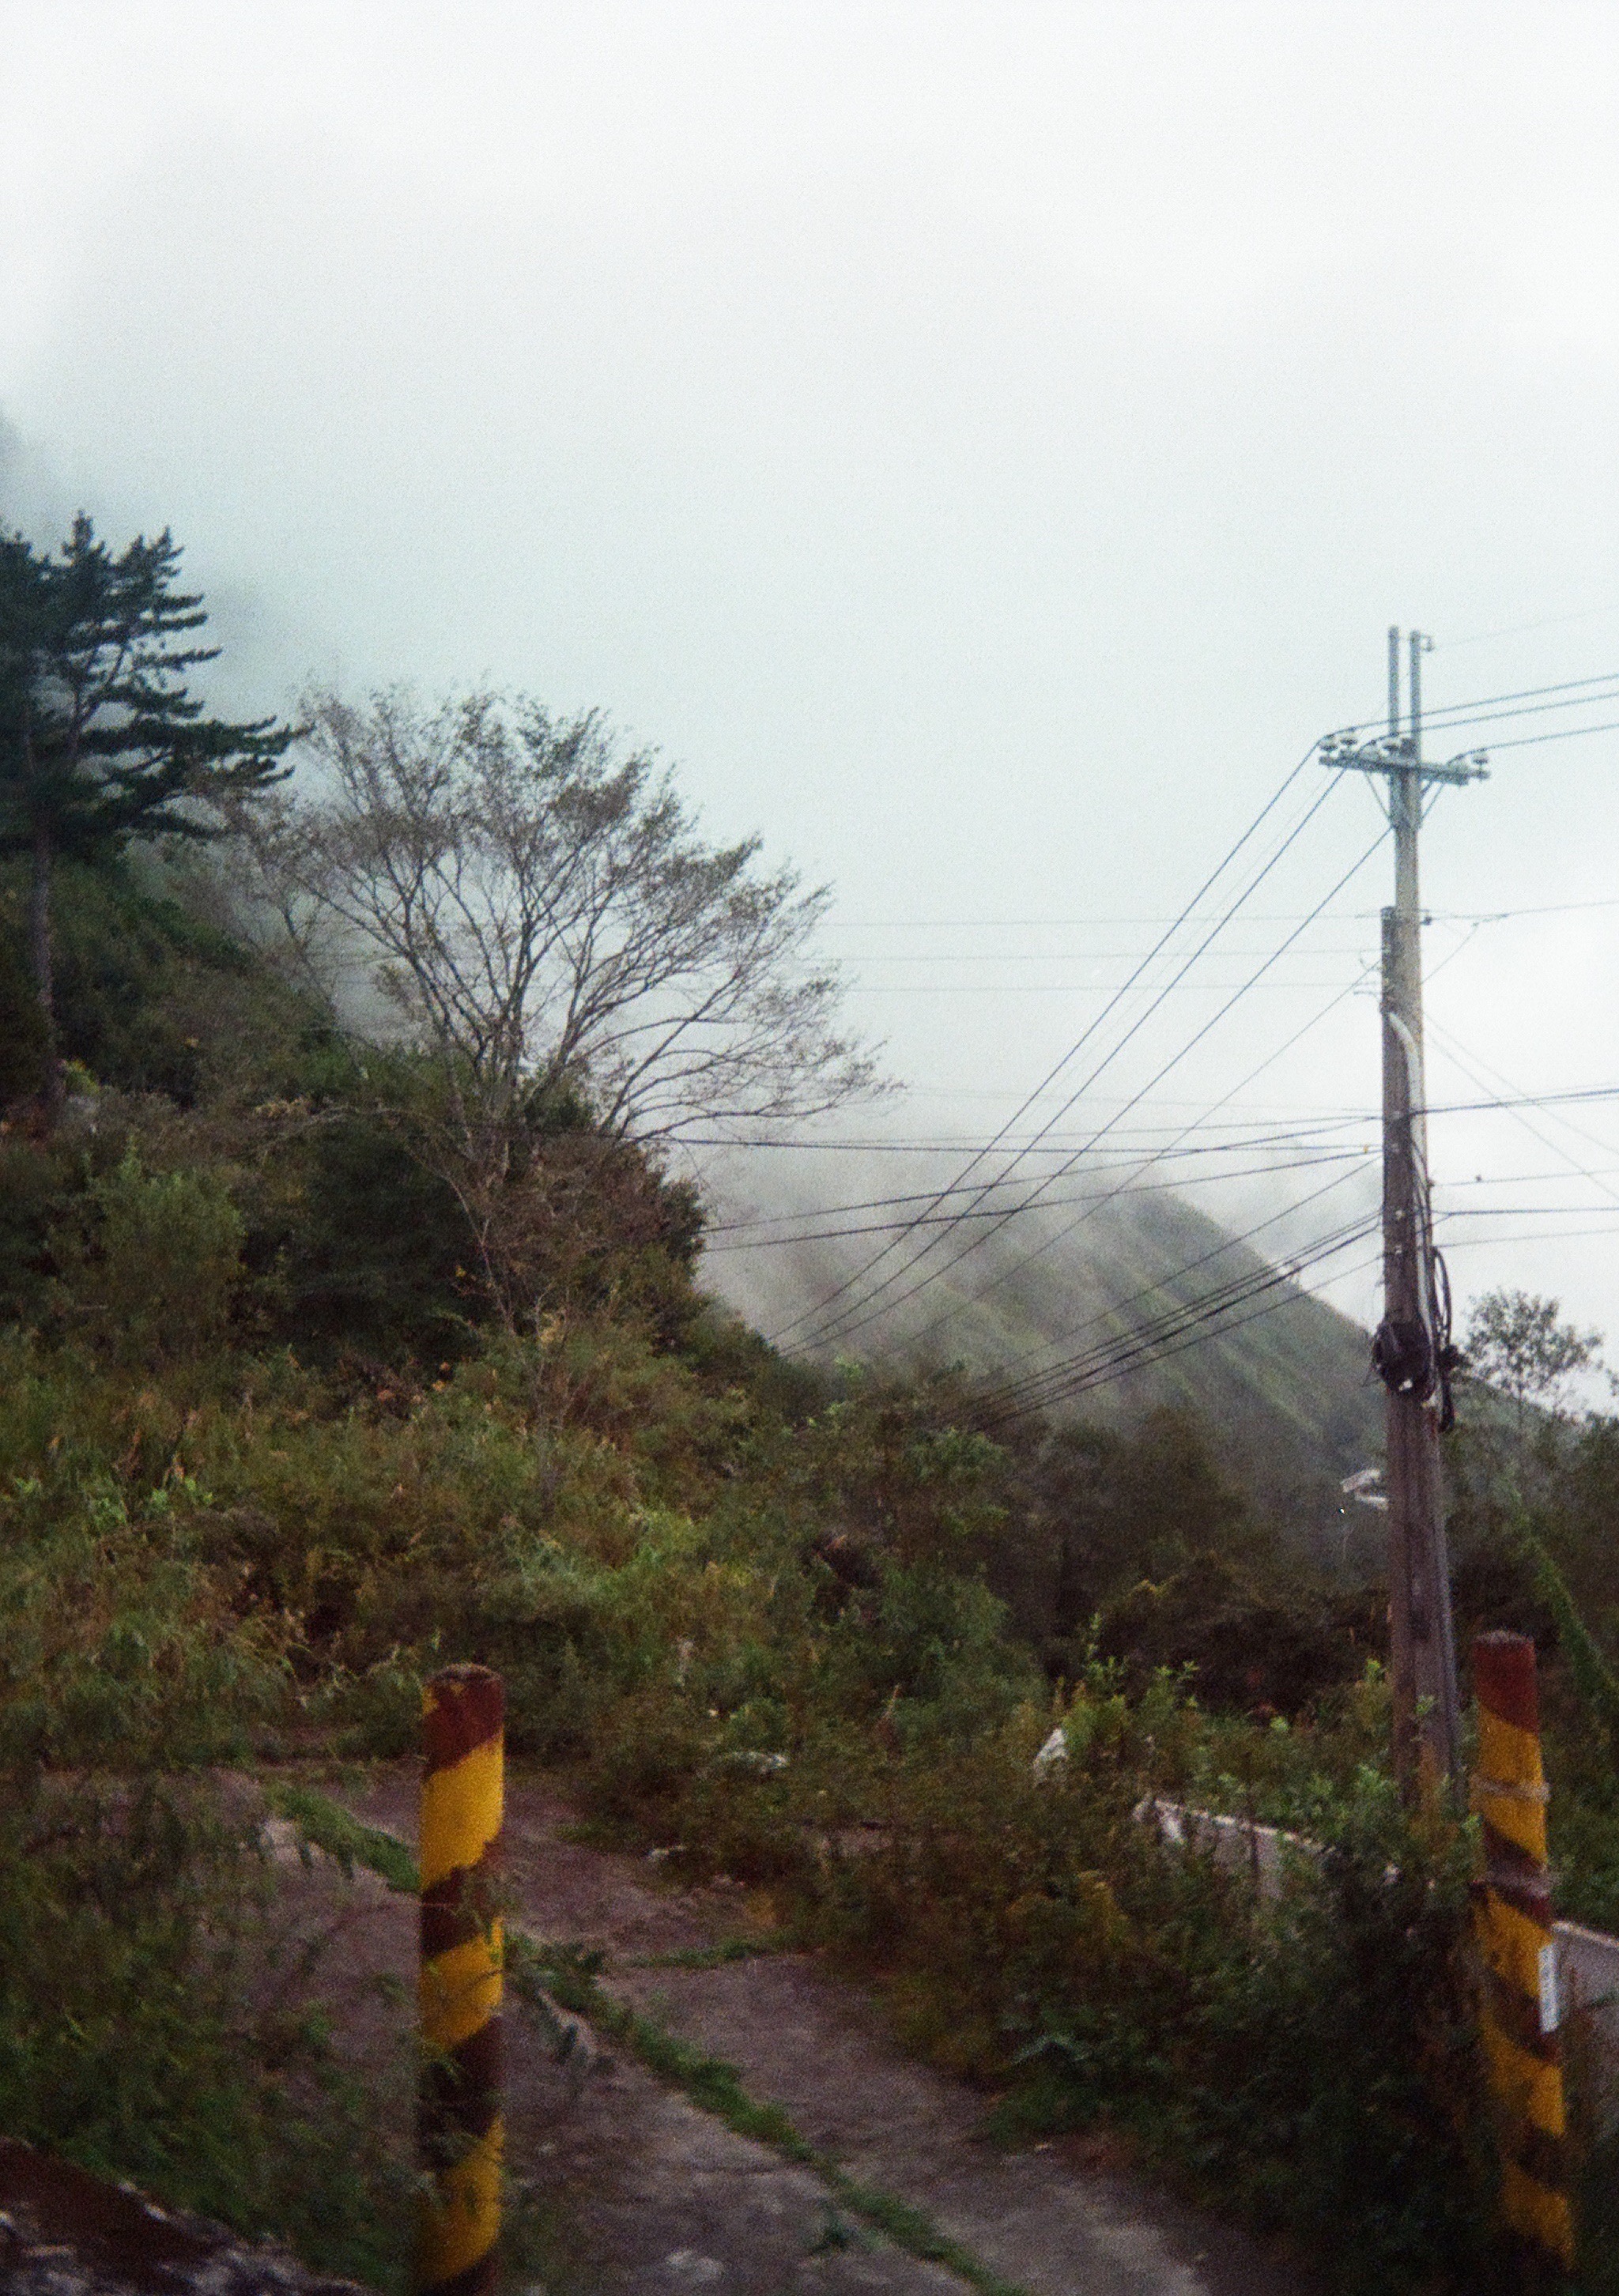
(539, 910)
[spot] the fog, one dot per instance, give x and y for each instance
(983, 447)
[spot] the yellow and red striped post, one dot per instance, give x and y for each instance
(1521, 2010)
(464, 1710)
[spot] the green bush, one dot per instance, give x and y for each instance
(139, 2034)
(150, 1268)
(1308, 2061)
(139, 2028)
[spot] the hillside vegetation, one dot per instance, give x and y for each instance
(331, 1355)
(266, 1459)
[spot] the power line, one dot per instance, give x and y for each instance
(1175, 1147)
(1585, 700)
(867, 1304)
(1294, 1297)
(1453, 713)
(1054, 988)
(1522, 629)
(1501, 916)
(1517, 1212)
(1129, 1164)
(1601, 1092)
(1541, 1235)
(1185, 1316)
(877, 1259)
(953, 1145)
(1290, 1299)
(1179, 1182)
(1562, 733)
(953, 1219)
(1117, 1047)
(1256, 917)
(1255, 1134)
(1171, 1332)
(1067, 955)
(1455, 1052)
(976, 1242)
(1036, 1376)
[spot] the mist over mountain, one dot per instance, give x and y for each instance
(1280, 1379)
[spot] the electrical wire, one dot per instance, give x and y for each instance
(865, 1309)
(1451, 713)
(1175, 1147)
(954, 1145)
(1171, 1332)
(1191, 1180)
(1212, 1316)
(1533, 1235)
(1036, 1378)
(1069, 956)
(1561, 734)
(1129, 1166)
(1253, 1135)
(1354, 1156)
(859, 1277)
(1072, 988)
(975, 1243)
(1452, 1050)
(1205, 1309)
(1256, 917)
(1438, 722)
(1521, 629)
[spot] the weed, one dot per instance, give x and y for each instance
(708, 1957)
(328, 1826)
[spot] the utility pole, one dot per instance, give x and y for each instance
(1412, 1353)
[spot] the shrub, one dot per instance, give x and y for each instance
(137, 2034)
(151, 1266)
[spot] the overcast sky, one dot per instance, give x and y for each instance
(981, 446)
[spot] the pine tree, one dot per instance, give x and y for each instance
(100, 740)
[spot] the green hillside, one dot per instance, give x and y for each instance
(1285, 1396)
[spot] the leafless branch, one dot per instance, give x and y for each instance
(537, 907)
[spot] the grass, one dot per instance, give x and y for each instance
(327, 1826)
(707, 1957)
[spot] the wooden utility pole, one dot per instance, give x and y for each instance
(1410, 1350)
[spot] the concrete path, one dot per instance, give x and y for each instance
(645, 2193)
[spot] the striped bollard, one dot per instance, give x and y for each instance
(459, 2103)
(1521, 2009)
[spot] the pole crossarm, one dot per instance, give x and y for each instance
(1392, 753)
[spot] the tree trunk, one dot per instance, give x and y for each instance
(39, 959)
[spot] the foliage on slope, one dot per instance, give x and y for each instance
(812, 1630)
